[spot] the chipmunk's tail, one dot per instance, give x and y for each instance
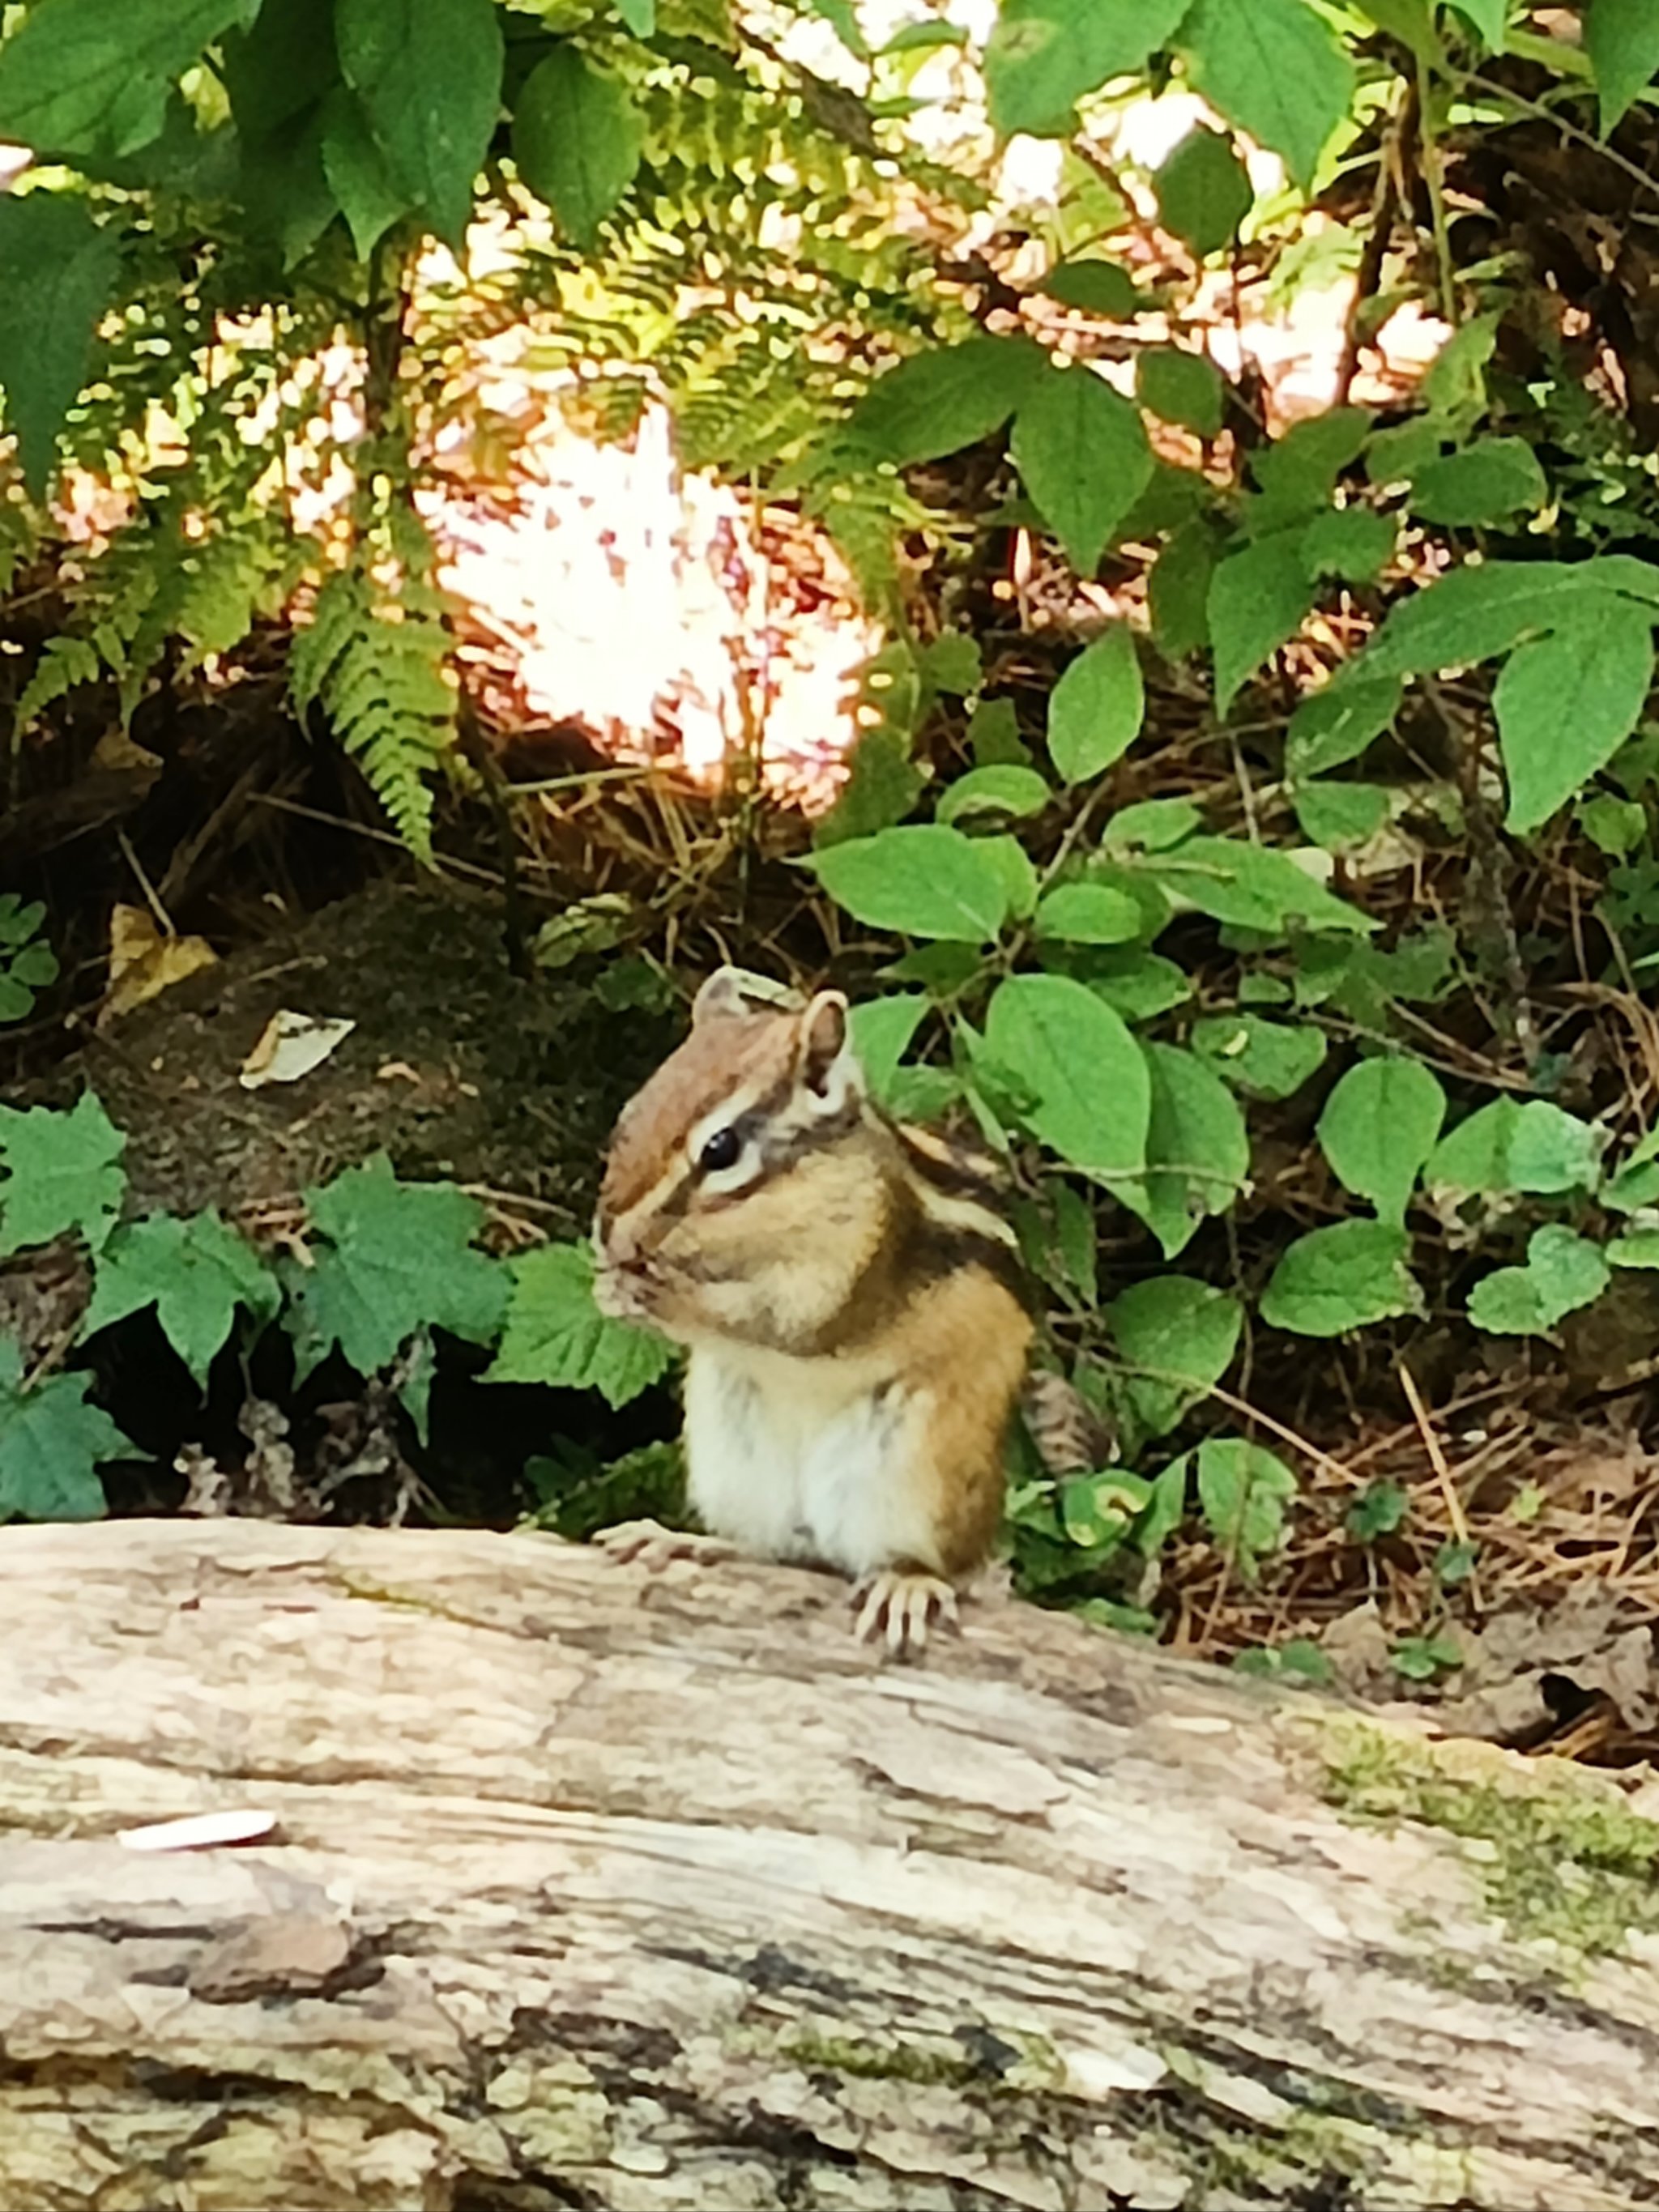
(1070, 1436)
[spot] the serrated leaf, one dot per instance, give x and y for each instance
(94, 76)
(1603, 661)
(577, 139)
(57, 274)
(1179, 1337)
(1378, 1127)
(882, 1031)
(1251, 887)
(1259, 598)
(1487, 481)
(1178, 590)
(395, 1259)
(428, 74)
(63, 1173)
(1621, 38)
(1095, 287)
(1044, 55)
(1088, 913)
(51, 1443)
(1344, 1277)
(1536, 1148)
(951, 397)
(924, 878)
(358, 174)
(1563, 1272)
(1380, 1509)
(1333, 726)
(1204, 190)
(1085, 1071)
(195, 1272)
(1614, 826)
(1479, 610)
(1297, 475)
(1182, 388)
(1349, 543)
(1137, 985)
(1198, 1151)
(955, 664)
(1243, 1491)
(556, 1334)
(883, 784)
(1275, 71)
(1005, 789)
(1081, 449)
(1263, 1059)
(1097, 708)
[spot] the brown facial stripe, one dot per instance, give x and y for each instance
(951, 1170)
(781, 1148)
(945, 1249)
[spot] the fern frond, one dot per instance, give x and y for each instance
(65, 663)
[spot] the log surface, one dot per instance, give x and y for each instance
(595, 1888)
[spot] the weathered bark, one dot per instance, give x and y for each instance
(594, 1889)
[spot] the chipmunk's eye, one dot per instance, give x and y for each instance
(722, 1151)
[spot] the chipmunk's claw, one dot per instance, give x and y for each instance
(900, 1609)
(647, 1544)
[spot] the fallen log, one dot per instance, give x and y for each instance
(592, 1889)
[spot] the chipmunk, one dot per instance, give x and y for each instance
(850, 1296)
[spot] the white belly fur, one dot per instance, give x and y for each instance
(808, 1459)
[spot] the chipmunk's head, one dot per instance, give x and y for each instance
(743, 1195)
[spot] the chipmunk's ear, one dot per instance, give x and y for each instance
(731, 991)
(824, 1059)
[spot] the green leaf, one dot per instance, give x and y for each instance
(1151, 825)
(1275, 71)
(63, 1173)
(1137, 985)
(1380, 1509)
(640, 16)
(1351, 543)
(51, 1442)
(1243, 1491)
(1420, 1658)
(1008, 789)
(395, 1259)
(1563, 1272)
(56, 276)
(1198, 1151)
(955, 664)
(1298, 473)
(1601, 661)
(1340, 818)
(1082, 450)
(1019, 877)
(195, 1272)
(1259, 598)
(577, 139)
(1621, 38)
(924, 878)
(1487, 481)
(1178, 592)
(1344, 1277)
(1379, 1126)
(993, 735)
(1505, 1146)
(1335, 725)
(883, 784)
(428, 73)
(1165, 1511)
(840, 14)
(882, 1031)
(1634, 1183)
(556, 1334)
(1095, 287)
(1614, 826)
(358, 174)
(1410, 21)
(1178, 1337)
(1251, 887)
(1637, 1248)
(951, 397)
(1479, 610)
(1088, 913)
(1182, 387)
(1297, 1660)
(1489, 17)
(1263, 1059)
(94, 76)
(1044, 55)
(1204, 191)
(1090, 1080)
(1095, 1509)
(1097, 708)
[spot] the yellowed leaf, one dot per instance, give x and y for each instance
(143, 961)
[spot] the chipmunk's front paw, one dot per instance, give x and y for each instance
(901, 1609)
(647, 1544)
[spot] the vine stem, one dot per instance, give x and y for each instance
(1433, 177)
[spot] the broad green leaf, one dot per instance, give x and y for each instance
(428, 74)
(1182, 388)
(1350, 543)
(1177, 1338)
(1088, 913)
(1621, 38)
(1489, 17)
(1614, 826)
(1410, 21)
(94, 76)
(1097, 708)
(577, 139)
(1095, 1509)
(1637, 1248)
(1454, 385)
(949, 397)
(640, 16)
(1536, 1148)
(1081, 449)
(1263, 1059)
(1242, 1490)
(57, 277)
(1086, 1070)
(1563, 1272)
(1166, 1510)
(283, 187)
(1151, 825)
(924, 878)
(1044, 55)
(883, 784)
(1250, 886)
(942, 969)
(1008, 789)
(395, 1258)
(1204, 191)
(954, 663)
(1634, 1183)
(356, 171)
(1335, 725)
(51, 1443)
(1380, 1508)
(1601, 662)
(1259, 598)
(64, 1172)
(1378, 1127)
(993, 736)
(1340, 818)
(556, 1334)
(195, 1272)
(280, 67)
(1198, 1151)
(1137, 985)
(1019, 876)
(1487, 481)
(881, 1032)
(1344, 1277)
(1479, 610)
(1297, 475)
(1178, 591)
(1094, 286)
(1275, 71)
